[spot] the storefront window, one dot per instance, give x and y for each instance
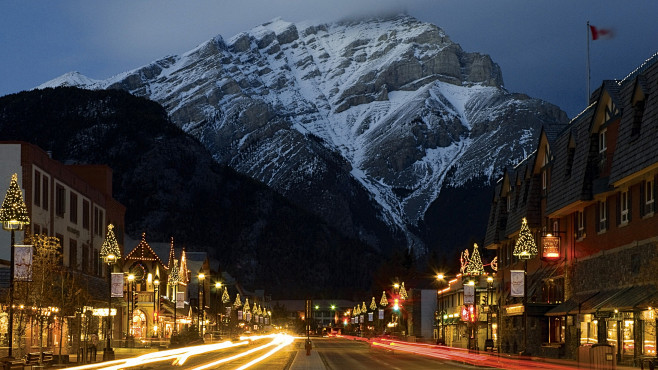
(628, 337)
(557, 328)
(588, 330)
(612, 333)
(649, 333)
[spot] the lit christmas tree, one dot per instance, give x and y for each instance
(246, 305)
(383, 302)
(13, 213)
(403, 292)
(475, 266)
(174, 276)
(110, 244)
(525, 247)
(238, 302)
(225, 297)
(373, 305)
(364, 309)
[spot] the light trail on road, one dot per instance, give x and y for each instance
(179, 356)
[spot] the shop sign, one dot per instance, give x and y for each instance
(550, 247)
(469, 313)
(117, 284)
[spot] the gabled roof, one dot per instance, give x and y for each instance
(143, 252)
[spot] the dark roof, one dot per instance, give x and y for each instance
(630, 298)
(571, 304)
(636, 152)
(568, 183)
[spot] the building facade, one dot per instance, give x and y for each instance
(588, 195)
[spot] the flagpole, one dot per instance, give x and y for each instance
(588, 69)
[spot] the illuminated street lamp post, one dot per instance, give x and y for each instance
(14, 217)
(199, 299)
(129, 314)
(489, 300)
(110, 253)
(173, 280)
(156, 306)
(525, 248)
(441, 278)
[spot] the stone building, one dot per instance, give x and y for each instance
(589, 198)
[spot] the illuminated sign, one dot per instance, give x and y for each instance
(550, 247)
(103, 312)
(469, 313)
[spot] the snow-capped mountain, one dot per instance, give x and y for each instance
(337, 115)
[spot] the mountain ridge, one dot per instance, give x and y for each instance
(385, 108)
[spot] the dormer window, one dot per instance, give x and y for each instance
(611, 111)
(603, 143)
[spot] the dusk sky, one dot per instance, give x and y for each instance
(540, 45)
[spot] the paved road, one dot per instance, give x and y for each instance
(338, 354)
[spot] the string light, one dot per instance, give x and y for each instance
(110, 245)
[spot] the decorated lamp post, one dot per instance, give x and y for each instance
(225, 299)
(173, 280)
(110, 253)
(199, 297)
(156, 306)
(383, 302)
(525, 248)
(14, 217)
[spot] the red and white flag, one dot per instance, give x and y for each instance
(601, 33)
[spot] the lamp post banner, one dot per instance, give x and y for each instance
(516, 288)
(469, 294)
(180, 299)
(117, 284)
(370, 316)
(381, 314)
(22, 262)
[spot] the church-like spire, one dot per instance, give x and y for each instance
(172, 255)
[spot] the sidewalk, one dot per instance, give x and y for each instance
(310, 362)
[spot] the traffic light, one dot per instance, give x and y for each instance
(483, 300)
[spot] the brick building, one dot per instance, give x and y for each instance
(593, 187)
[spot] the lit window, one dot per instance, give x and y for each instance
(649, 196)
(581, 224)
(603, 144)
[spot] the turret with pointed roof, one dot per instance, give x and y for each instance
(172, 255)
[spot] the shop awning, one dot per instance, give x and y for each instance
(596, 302)
(631, 298)
(571, 303)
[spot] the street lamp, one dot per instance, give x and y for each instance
(156, 306)
(129, 314)
(525, 248)
(14, 217)
(110, 253)
(173, 280)
(199, 298)
(489, 300)
(441, 279)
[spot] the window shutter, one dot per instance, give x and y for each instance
(618, 206)
(630, 204)
(643, 190)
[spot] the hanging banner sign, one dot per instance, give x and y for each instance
(239, 315)
(370, 316)
(22, 262)
(117, 284)
(469, 294)
(381, 314)
(517, 283)
(248, 319)
(550, 246)
(267, 320)
(180, 299)
(361, 319)
(228, 311)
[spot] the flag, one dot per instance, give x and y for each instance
(598, 33)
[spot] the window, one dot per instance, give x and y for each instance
(544, 180)
(603, 216)
(638, 113)
(73, 254)
(556, 227)
(603, 144)
(85, 214)
(60, 200)
(649, 196)
(85, 259)
(37, 188)
(44, 190)
(580, 222)
(37, 229)
(588, 330)
(73, 207)
(624, 205)
(509, 202)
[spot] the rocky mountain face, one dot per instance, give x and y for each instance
(171, 186)
(361, 122)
